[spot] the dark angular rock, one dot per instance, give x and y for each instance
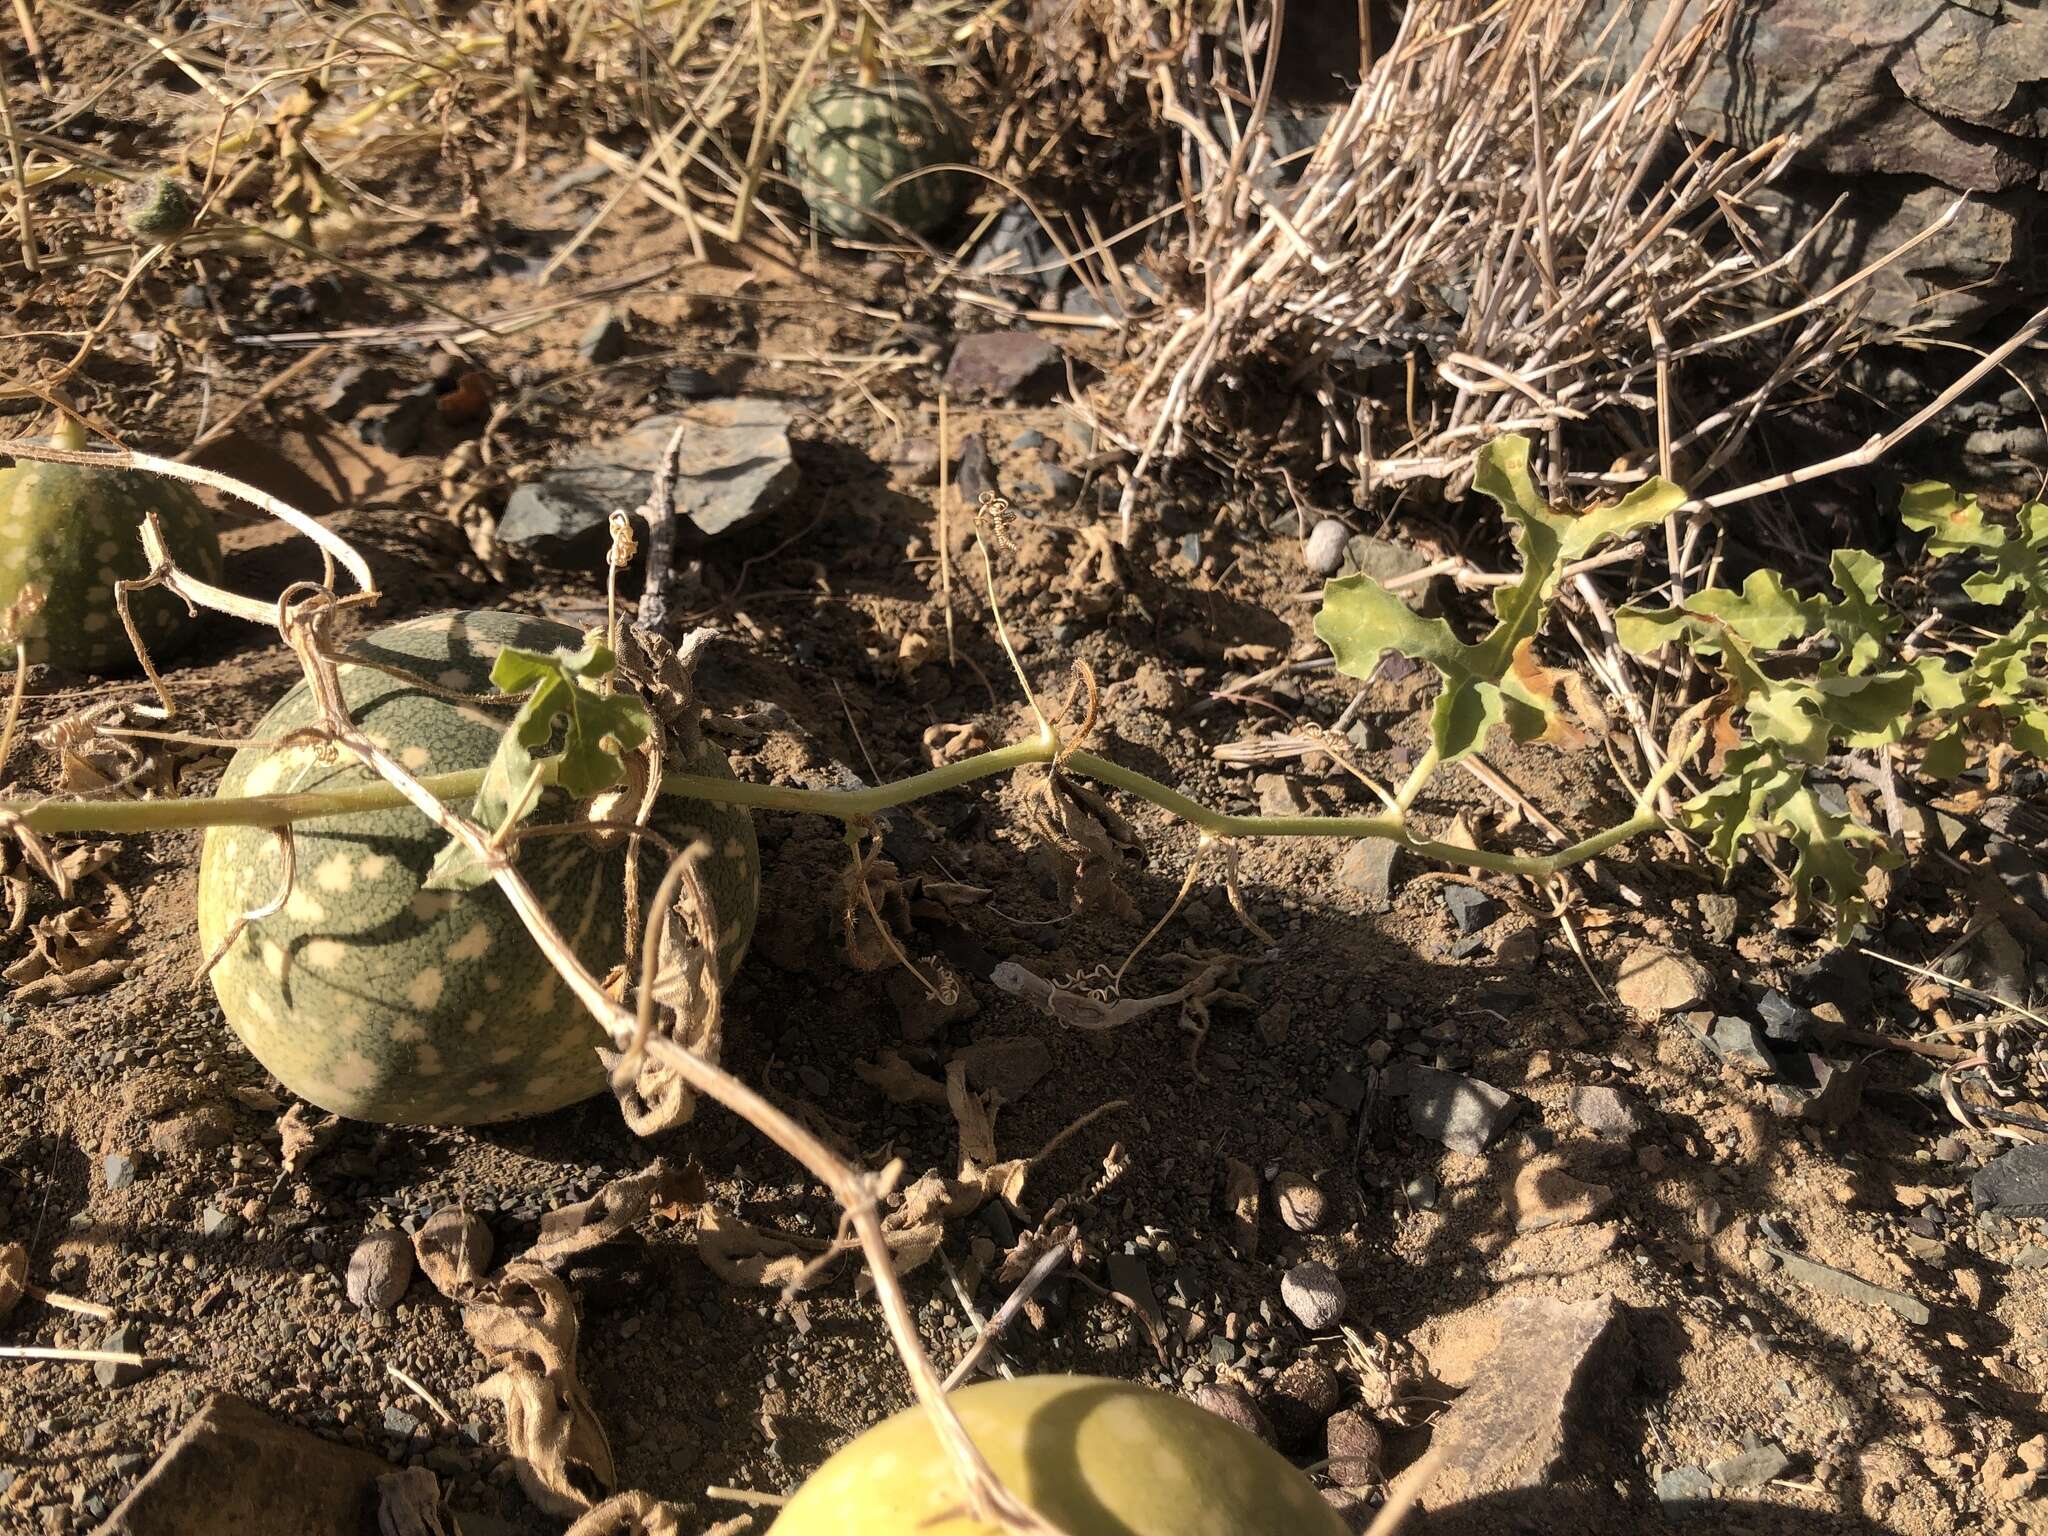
(1753, 1466)
(1463, 1113)
(735, 467)
(396, 426)
(1819, 1091)
(1368, 868)
(2014, 1183)
(356, 386)
(1683, 1489)
(232, 1471)
(1130, 1279)
(1470, 909)
(1606, 1111)
(1011, 1066)
(1003, 365)
(127, 1338)
(1742, 1042)
(1784, 1020)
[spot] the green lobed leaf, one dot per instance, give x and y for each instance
(1860, 621)
(1495, 680)
(597, 729)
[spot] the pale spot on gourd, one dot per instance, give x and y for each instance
(324, 954)
(415, 759)
(354, 1073)
(426, 1061)
(254, 1002)
(473, 1023)
(406, 1032)
(453, 677)
(275, 959)
(302, 908)
(107, 550)
(483, 1088)
(493, 982)
(505, 1055)
(428, 905)
(334, 873)
(373, 866)
(425, 990)
(93, 623)
(472, 944)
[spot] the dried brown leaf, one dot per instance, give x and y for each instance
(525, 1325)
(454, 1251)
(409, 1504)
(629, 1514)
(79, 983)
(900, 1081)
(620, 1205)
(742, 1254)
(301, 1136)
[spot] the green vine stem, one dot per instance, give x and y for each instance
(60, 817)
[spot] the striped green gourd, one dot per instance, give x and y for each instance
(379, 1000)
(73, 530)
(851, 138)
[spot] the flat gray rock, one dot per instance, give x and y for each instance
(2013, 1184)
(734, 468)
(1463, 1113)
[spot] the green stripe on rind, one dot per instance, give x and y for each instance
(377, 1000)
(74, 531)
(848, 141)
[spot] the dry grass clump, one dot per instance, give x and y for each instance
(1499, 231)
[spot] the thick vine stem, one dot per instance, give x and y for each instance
(60, 817)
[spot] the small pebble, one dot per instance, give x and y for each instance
(379, 1271)
(1325, 552)
(1314, 1294)
(1301, 1202)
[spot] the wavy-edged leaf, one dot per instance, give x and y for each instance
(1496, 680)
(1832, 851)
(1860, 621)
(597, 729)
(1765, 614)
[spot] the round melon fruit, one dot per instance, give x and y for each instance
(850, 139)
(1095, 1457)
(379, 1000)
(74, 530)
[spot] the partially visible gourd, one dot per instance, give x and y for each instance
(850, 139)
(73, 530)
(1094, 1457)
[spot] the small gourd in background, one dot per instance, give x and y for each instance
(73, 530)
(851, 138)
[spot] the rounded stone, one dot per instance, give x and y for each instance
(1314, 1295)
(1301, 1202)
(1325, 552)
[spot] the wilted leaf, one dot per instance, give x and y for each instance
(301, 1136)
(454, 1251)
(741, 1254)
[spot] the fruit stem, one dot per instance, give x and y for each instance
(60, 817)
(70, 432)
